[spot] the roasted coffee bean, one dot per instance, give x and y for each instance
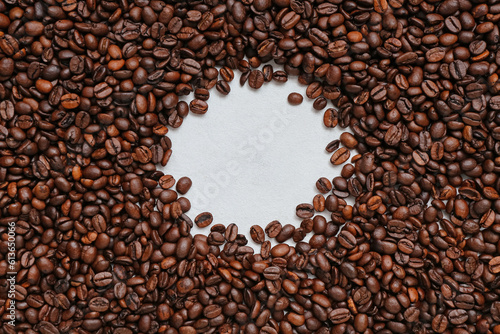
(287, 231)
(198, 106)
(305, 211)
(256, 79)
(295, 99)
(183, 185)
(103, 279)
(272, 273)
(339, 316)
(348, 140)
(273, 229)
(332, 146)
(46, 327)
(70, 101)
(267, 70)
(203, 219)
(319, 103)
(465, 302)
(457, 317)
(257, 234)
(6, 110)
(347, 240)
(340, 156)
(280, 76)
(494, 265)
(98, 304)
(323, 185)
(439, 323)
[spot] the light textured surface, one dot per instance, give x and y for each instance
(253, 157)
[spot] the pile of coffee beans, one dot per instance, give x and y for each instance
(90, 88)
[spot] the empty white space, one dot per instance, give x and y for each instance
(253, 157)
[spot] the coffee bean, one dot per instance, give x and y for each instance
(439, 323)
(412, 314)
(347, 240)
(203, 219)
(190, 66)
(256, 79)
(332, 146)
(103, 279)
(330, 118)
(348, 140)
(198, 106)
(70, 101)
(46, 327)
(295, 99)
(288, 230)
(273, 229)
(6, 110)
(457, 317)
(272, 273)
(494, 265)
(323, 185)
(339, 315)
(183, 185)
(99, 304)
(305, 210)
(257, 234)
(340, 156)
(212, 311)
(280, 76)
(465, 301)
(231, 232)
(223, 87)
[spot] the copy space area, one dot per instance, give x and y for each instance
(253, 157)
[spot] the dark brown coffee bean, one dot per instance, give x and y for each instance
(70, 101)
(295, 99)
(280, 76)
(287, 231)
(257, 234)
(98, 304)
(320, 103)
(323, 185)
(273, 229)
(191, 66)
(439, 323)
(46, 327)
(103, 279)
(256, 79)
(272, 273)
(198, 106)
(223, 87)
(339, 315)
(6, 110)
(331, 118)
(340, 156)
(465, 302)
(305, 210)
(231, 232)
(203, 219)
(347, 240)
(332, 146)
(458, 317)
(348, 140)
(494, 265)
(183, 185)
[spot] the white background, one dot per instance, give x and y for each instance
(253, 157)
